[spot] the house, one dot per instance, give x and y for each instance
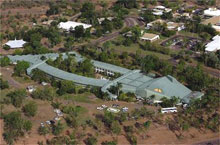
(100, 20)
(149, 37)
(71, 25)
(159, 10)
(175, 26)
(170, 25)
(16, 43)
(214, 45)
(212, 12)
(214, 21)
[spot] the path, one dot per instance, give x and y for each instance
(209, 142)
(7, 75)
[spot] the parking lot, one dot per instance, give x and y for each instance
(181, 42)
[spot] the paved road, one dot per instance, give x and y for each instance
(129, 22)
(209, 142)
(210, 71)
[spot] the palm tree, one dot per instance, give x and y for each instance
(118, 86)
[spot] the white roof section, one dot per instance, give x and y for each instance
(16, 43)
(71, 24)
(212, 12)
(160, 13)
(160, 7)
(214, 45)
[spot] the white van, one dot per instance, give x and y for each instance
(169, 110)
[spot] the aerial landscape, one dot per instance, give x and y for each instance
(110, 72)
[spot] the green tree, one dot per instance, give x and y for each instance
(66, 87)
(115, 127)
(17, 97)
(136, 33)
(3, 84)
(20, 68)
(91, 141)
(148, 16)
(4, 61)
(53, 9)
(147, 124)
(30, 109)
(57, 129)
(196, 78)
(149, 62)
(15, 126)
(107, 26)
(40, 76)
(79, 31)
(109, 143)
(43, 130)
(88, 12)
(45, 94)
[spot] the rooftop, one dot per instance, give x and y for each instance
(149, 35)
(132, 80)
(212, 12)
(214, 45)
(16, 43)
(71, 24)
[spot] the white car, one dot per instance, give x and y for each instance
(57, 118)
(125, 109)
(113, 110)
(31, 89)
(48, 122)
(104, 106)
(99, 108)
(60, 114)
(58, 111)
(42, 124)
(44, 83)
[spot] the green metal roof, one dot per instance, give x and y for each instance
(131, 80)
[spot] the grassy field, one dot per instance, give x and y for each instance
(22, 79)
(134, 47)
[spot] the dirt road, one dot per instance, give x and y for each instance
(7, 75)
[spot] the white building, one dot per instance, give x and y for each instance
(100, 20)
(212, 12)
(149, 37)
(214, 45)
(16, 43)
(159, 10)
(170, 25)
(71, 25)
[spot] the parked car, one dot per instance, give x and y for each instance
(44, 83)
(104, 106)
(42, 124)
(115, 105)
(52, 122)
(48, 122)
(57, 118)
(31, 89)
(99, 108)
